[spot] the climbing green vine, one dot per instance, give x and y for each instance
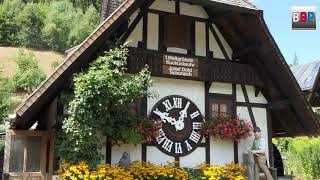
(99, 108)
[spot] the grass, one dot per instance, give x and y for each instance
(45, 58)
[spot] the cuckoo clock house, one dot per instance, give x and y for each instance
(206, 57)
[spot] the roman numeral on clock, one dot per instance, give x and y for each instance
(177, 103)
(189, 147)
(194, 115)
(161, 137)
(196, 125)
(178, 148)
(167, 104)
(167, 145)
(195, 137)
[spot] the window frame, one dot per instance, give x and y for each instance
(220, 99)
(43, 155)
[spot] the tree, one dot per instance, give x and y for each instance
(8, 25)
(83, 26)
(31, 21)
(4, 101)
(28, 76)
(100, 108)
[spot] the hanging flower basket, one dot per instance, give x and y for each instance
(225, 127)
(149, 129)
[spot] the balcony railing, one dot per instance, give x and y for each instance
(207, 69)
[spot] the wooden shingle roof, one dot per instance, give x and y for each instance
(238, 3)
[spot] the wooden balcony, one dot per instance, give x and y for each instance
(204, 69)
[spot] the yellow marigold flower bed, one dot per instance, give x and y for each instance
(231, 171)
(145, 170)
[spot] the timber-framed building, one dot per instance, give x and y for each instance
(216, 54)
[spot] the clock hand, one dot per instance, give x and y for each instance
(179, 125)
(183, 113)
(164, 117)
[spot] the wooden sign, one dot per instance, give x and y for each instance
(180, 66)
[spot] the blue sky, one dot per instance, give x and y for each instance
(306, 43)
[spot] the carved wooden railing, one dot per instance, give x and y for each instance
(209, 69)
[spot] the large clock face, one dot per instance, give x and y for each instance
(181, 125)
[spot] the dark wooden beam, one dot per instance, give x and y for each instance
(256, 105)
(269, 127)
(214, 33)
(207, 86)
(131, 27)
(177, 6)
(234, 115)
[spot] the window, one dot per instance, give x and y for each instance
(220, 106)
(25, 154)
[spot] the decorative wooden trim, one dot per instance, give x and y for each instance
(253, 121)
(234, 114)
(214, 33)
(270, 148)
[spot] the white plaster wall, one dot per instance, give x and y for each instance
(240, 95)
(192, 10)
(133, 150)
(221, 151)
(252, 98)
(136, 34)
(132, 17)
(200, 32)
(214, 47)
(153, 31)
(163, 5)
(260, 115)
(245, 144)
(193, 90)
(177, 50)
(224, 42)
(194, 159)
(221, 88)
(154, 155)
